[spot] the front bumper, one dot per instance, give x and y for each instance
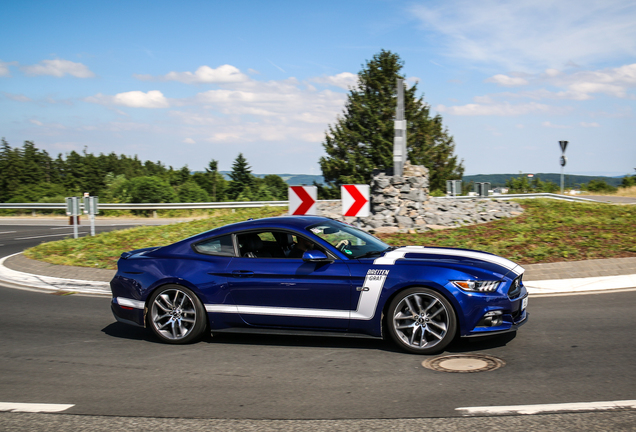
(510, 319)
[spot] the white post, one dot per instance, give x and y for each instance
(399, 139)
(75, 215)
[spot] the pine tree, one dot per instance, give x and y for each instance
(242, 178)
(362, 139)
(215, 179)
(11, 171)
(32, 165)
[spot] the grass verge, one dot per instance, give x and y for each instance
(548, 231)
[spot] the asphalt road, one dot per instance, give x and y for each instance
(18, 234)
(70, 350)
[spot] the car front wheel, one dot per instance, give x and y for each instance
(176, 315)
(421, 321)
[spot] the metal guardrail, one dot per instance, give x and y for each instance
(525, 196)
(156, 206)
(247, 204)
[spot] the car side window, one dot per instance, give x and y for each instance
(273, 244)
(223, 246)
(260, 244)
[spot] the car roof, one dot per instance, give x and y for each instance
(298, 222)
(281, 222)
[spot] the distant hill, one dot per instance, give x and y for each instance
(496, 180)
(571, 181)
(290, 179)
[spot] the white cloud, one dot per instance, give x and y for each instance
(286, 100)
(496, 109)
(133, 99)
(249, 111)
(49, 128)
(203, 75)
(17, 97)
(58, 68)
(589, 125)
(611, 81)
(579, 86)
(411, 81)
(273, 111)
(344, 80)
(506, 81)
(547, 124)
(4, 68)
(532, 34)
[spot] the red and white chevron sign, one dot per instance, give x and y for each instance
(302, 200)
(355, 200)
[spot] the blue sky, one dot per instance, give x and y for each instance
(186, 82)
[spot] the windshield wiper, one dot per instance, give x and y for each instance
(375, 252)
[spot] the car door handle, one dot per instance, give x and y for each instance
(242, 273)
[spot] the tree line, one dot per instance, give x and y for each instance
(524, 184)
(28, 174)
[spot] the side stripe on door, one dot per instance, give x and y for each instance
(367, 304)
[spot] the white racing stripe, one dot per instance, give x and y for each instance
(368, 301)
(391, 257)
(367, 304)
(34, 407)
(278, 311)
(543, 408)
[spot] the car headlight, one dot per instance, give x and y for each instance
(477, 286)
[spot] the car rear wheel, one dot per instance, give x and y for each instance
(176, 315)
(421, 321)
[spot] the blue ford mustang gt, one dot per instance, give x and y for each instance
(305, 275)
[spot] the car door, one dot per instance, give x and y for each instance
(271, 290)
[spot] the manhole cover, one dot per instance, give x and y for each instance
(464, 363)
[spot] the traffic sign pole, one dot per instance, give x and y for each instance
(563, 160)
(72, 210)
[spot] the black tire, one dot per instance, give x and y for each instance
(420, 320)
(176, 315)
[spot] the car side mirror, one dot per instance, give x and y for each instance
(315, 256)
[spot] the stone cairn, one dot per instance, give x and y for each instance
(403, 204)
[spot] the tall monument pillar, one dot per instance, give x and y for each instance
(399, 139)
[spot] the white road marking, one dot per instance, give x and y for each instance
(50, 235)
(34, 407)
(543, 408)
(7, 232)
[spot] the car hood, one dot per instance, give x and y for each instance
(461, 256)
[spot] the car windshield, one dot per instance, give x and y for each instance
(352, 241)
